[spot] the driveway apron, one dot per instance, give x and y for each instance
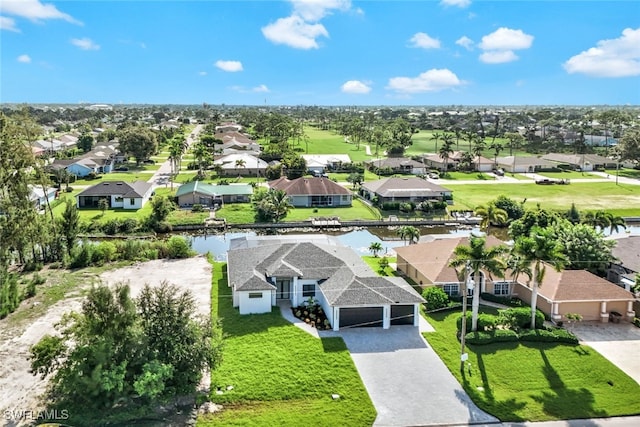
(406, 380)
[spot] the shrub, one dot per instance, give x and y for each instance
(436, 298)
(510, 301)
(546, 335)
(197, 208)
(636, 321)
(128, 225)
(499, 335)
(111, 227)
(486, 322)
(390, 206)
(162, 227)
(520, 318)
(179, 247)
(104, 252)
(81, 255)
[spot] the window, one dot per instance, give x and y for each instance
(308, 291)
(450, 289)
(501, 288)
(119, 199)
(132, 201)
(255, 294)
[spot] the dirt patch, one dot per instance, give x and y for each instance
(21, 391)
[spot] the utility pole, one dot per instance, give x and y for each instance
(463, 330)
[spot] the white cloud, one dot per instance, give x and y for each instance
(8, 24)
(498, 56)
(85, 44)
(295, 32)
(610, 58)
(315, 10)
(356, 86)
(456, 3)
(229, 66)
(506, 39)
(499, 46)
(430, 81)
(465, 42)
(260, 88)
(24, 59)
(35, 11)
(424, 41)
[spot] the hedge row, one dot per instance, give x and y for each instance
(508, 335)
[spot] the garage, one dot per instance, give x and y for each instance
(361, 317)
(402, 314)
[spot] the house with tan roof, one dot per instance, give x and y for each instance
(403, 165)
(523, 164)
(313, 192)
(567, 291)
(405, 189)
(434, 161)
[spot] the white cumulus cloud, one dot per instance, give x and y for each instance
(424, 41)
(314, 10)
(456, 3)
(499, 46)
(294, 31)
(610, 58)
(430, 81)
(85, 44)
(356, 86)
(24, 59)
(35, 11)
(229, 66)
(465, 42)
(8, 24)
(260, 89)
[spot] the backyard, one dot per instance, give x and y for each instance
(281, 375)
(535, 381)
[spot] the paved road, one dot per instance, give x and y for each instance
(162, 176)
(406, 380)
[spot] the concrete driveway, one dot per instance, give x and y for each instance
(618, 342)
(407, 382)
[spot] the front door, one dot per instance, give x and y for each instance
(283, 289)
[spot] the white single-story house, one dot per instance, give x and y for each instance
(241, 164)
(40, 196)
(397, 165)
(119, 194)
(523, 164)
(584, 162)
(320, 163)
(265, 270)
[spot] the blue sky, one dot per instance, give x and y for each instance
(321, 52)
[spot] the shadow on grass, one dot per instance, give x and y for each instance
(559, 398)
(333, 344)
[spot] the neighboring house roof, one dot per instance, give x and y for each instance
(523, 161)
(627, 251)
(432, 259)
(347, 278)
(120, 188)
(214, 190)
(325, 159)
(308, 186)
(395, 162)
(456, 156)
(250, 162)
(578, 159)
(403, 187)
(579, 285)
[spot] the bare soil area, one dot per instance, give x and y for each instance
(20, 390)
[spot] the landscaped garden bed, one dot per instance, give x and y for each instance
(312, 314)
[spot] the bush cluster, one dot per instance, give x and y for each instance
(510, 301)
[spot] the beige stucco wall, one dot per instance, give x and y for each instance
(409, 271)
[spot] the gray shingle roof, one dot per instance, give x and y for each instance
(118, 188)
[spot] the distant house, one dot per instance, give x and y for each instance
(410, 189)
(313, 192)
(241, 164)
(624, 270)
(434, 161)
(584, 162)
(40, 197)
(119, 194)
(568, 291)
(101, 159)
(401, 165)
(523, 164)
(320, 163)
(265, 271)
(197, 192)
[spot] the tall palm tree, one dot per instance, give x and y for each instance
(408, 233)
(478, 257)
(478, 148)
(497, 148)
(491, 215)
(278, 204)
(436, 136)
(615, 222)
(375, 247)
(541, 249)
(446, 150)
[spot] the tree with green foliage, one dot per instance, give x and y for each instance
(435, 298)
(491, 215)
(161, 207)
(120, 351)
(294, 165)
(375, 247)
(585, 248)
(355, 179)
(532, 218)
(629, 145)
(70, 224)
(271, 205)
(138, 142)
(540, 249)
(573, 215)
(85, 142)
(479, 258)
(514, 209)
(408, 233)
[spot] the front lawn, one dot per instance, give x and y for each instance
(569, 175)
(535, 381)
(281, 375)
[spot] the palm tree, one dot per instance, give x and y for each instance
(240, 164)
(408, 233)
(446, 150)
(540, 248)
(491, 215)
(497, 148)
(478, 257)
(375, 247)
(478, 147)
(278, 204)
(615, 222)
(598, 219)
(436, 136)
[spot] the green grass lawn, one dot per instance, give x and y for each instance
(627, 173)
(536, 381)
(327, 142)
(281, 376)
(467, 176)
(373, 263)
(569, 175)
(623, 199)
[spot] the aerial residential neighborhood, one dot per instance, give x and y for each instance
(331, 213)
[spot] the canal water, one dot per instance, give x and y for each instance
(359, 240)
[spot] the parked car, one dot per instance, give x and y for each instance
(122, 169)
